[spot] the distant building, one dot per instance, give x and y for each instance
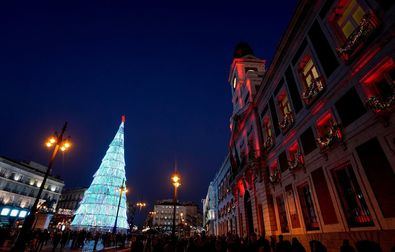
(209, 209)
(225, 218)
(69, 202)
(219, 215)
(19, 186)
(187, 214)
(71, 198)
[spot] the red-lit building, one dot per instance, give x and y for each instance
(312, 144)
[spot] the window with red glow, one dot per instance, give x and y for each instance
(284, 104)
(294, 152)
(273, 167)
(308, 71)
(380, 80)
(347, 17)
(267, 125)
(325, 124)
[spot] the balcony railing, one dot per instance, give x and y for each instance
(313, 90)
(332, 137)
(286, 122)
(296, 163)
(275, 176)
(381, 105)
(361, 33)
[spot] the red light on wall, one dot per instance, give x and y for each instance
(273, 165)
(317, 108)
(377, 72)
(324, 119)
(364, 60)
(294, 147)
(241, 188)
(291, 134)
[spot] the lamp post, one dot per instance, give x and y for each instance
(176, 181)
(57, 142)
(122, 189)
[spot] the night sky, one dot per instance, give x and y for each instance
(164, 65)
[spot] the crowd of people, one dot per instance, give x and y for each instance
(229, 243)
(82, 240)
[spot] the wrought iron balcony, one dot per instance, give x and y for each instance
(286, 122)
(332, 137)
(316, 86)
(362, 32)
(275, 176)
(381, 105)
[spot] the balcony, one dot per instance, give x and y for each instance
(286, 122)
(381, 105)
(275, 176)
(312, 91)
(296, 163)
(330, 139)
(358, 37)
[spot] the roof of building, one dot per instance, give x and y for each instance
(31, 167)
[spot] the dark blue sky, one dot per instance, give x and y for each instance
(163, 65)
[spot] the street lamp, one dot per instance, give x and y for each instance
(176, 181)
(56, 142)
(141, 205)
(122, 189)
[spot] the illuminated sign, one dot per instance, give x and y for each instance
(22, 214)
(5, 211)
(14, 212)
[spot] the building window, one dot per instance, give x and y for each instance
(323, 49)
(351, 197)
(308, 210)
(274, 173)
(329, 133)
(379, 87)
(311, 78)
(293, 212)
(283, 161)
(350, 107)
(296, 159)
(268, 132)
(287, 118)
(353, 23)
(307, 139)
(282, 214)
(349, 20)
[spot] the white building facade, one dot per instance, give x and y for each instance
(19, 185)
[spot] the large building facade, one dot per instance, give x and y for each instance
(312, 147)
(187, 214)
(19, 186)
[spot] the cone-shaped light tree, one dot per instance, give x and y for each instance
(98, 208)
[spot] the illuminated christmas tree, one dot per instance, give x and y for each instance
(98, 208)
